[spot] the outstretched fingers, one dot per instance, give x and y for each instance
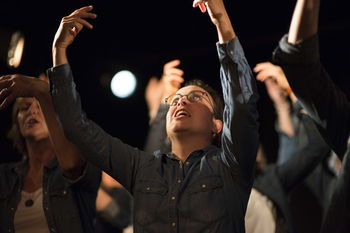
(6, 96)
(200, 4)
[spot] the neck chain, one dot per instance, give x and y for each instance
(31, 197)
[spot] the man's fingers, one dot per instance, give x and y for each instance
(263, 75)
(200, 4)
(5, 98)
(9, 99)
(5, 83)
(172, 63)
(87, 15)
(82, 9)
(261, 66)
(202, 7)
(175, 78)
(173, 71)
(84, 22)
(5, 77)
(77, 22)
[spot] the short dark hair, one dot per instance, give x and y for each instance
(218, 105)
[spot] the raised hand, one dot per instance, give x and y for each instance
(172, 78)
(201, 4)
(17, 85)
(218, 15)
(267, 70)
(71, 25)
(157, 90)
(276, 93)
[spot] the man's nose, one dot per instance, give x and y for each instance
(182, 101)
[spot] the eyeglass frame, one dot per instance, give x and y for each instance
(192, 101)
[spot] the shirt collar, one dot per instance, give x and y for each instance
(194, 154)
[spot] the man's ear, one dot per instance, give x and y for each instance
(217, 126)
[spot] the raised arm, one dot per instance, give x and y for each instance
(240, 117)
(219, 17)
(116, 158)
(278, 90)
(298, 55)
(69, 28)
(14, 86)
(304, 23)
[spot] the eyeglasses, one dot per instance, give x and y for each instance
(193, 97)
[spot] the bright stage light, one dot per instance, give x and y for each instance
(123, 84)
(11, 47)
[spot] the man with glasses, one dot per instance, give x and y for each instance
(197, 187)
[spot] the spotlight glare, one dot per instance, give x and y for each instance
(15, 51)
(123, 84)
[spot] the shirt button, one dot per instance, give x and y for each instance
(148, 188)
(173, 198)
(232, 52)
(46, 208)
(187, 163)
(64, 192)
(12, 209)
(173, 224)
(204, 185)
(53, 229)
(179, 181)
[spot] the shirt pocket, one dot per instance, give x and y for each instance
(205, 199)
(149, 196)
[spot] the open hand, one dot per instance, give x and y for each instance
(71, 25)
(17, 85)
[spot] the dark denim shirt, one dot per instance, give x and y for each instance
(277, 181)
(69, 206)
(210, 190)
(329, 108)
(288, 145)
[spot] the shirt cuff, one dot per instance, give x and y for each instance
(304, 52)
(232, 48)
(59, 76)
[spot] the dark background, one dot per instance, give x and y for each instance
(143, 35)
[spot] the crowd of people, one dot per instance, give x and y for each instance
(202, 168)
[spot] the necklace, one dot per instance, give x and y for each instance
(29, 202)
(31, 197)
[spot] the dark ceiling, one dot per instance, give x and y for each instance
(143, 35)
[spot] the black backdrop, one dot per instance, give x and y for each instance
(143, 35)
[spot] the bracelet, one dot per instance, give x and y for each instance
(289, 90)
